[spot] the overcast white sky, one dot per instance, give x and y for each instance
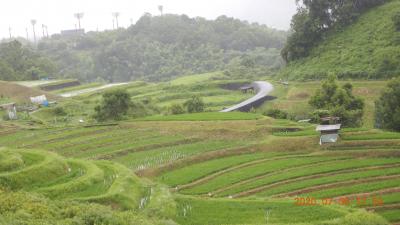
(58, 14)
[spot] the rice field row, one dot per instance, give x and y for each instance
(136, 146)
(59, 178)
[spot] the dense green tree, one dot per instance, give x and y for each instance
(19, 62)
(195, 104)
(333, 100)
(115, 104)
(315, 18)
(387, 113)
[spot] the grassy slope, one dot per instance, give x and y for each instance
(369, 47)
(18, 93)
(294, 98)
(160, 95)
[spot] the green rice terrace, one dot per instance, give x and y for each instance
(238, 168)
(197, 168)
(179, 120)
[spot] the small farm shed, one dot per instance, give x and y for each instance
(11, 110)
(329, 133)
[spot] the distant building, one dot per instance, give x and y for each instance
(329, 129)
(11, 110)
(73, 33)
(329, 133)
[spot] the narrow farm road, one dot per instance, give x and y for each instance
(88, 90)
(263, 88)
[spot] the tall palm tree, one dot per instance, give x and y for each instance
(79, 16)
(116, 15)
(33, 22)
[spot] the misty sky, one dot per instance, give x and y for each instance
(58, 14)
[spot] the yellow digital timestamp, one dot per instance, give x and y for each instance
(358, 200)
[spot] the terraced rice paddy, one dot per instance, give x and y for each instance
(59, 178)
(218, 172)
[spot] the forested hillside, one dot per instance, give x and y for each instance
(18, 62)
(162, 47)
(366, 46)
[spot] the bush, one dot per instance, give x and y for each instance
(175, 109)
(194, 105)
(59, 111)
(387, 114)
(277, 114)
(396, 21)
(114, 106)
(332, 100)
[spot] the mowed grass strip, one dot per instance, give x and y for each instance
(198, 211)
(196, 171)
(379, 135)
(251, 171)
(338, 165)
(207, 116)
(158, 156)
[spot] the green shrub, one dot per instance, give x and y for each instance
(387, 113)
(59, 111)
(333, 100)
(195, 105)
(114, 106)
(176, 109)
(396, 21)
(277, 114)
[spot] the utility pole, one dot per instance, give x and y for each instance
(161, 8)
(9, 31)
(27, 34)
(79, 16)
(47, 32)
(33, 22)
(116, 15)
(43, 27)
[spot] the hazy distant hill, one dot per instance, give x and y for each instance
(161, 47)
(367, 49)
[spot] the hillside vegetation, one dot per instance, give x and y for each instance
(22, 62)
(161, 47)
(367, 49)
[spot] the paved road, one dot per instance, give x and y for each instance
(88, 90)
(263, 89)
